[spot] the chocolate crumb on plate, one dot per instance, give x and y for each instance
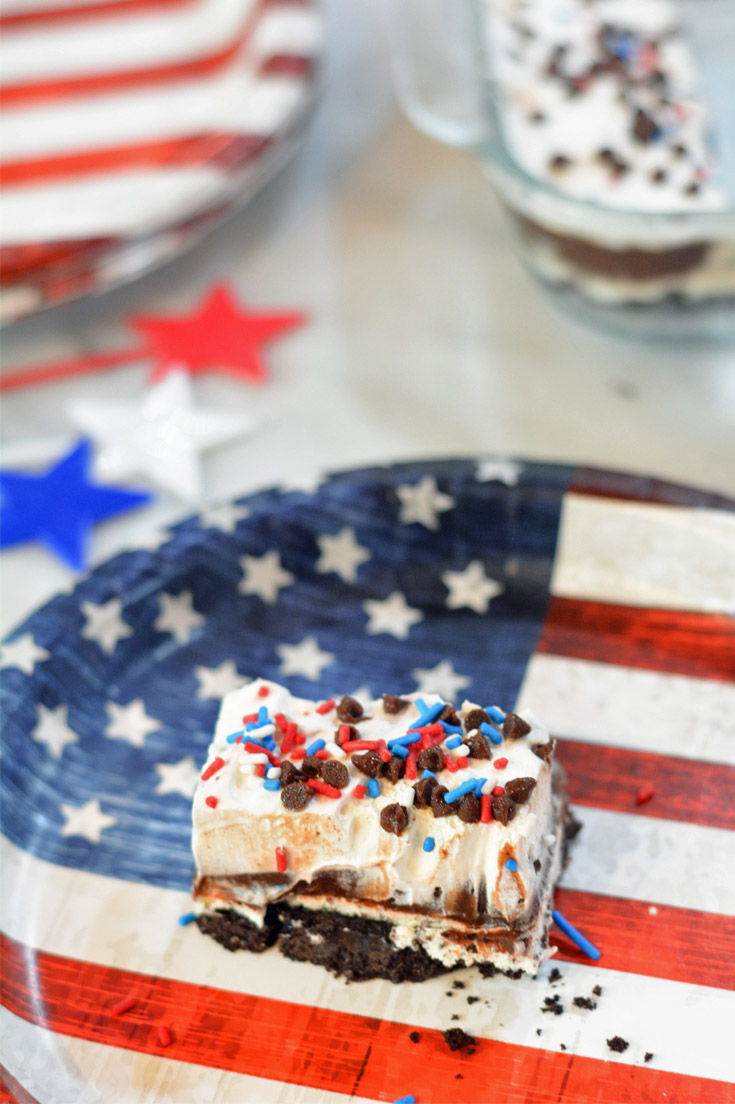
(553, 1004)
(597, 991)
(562, 1046)
(618, 1044)
(414, 1036)
(584, 1002)
(647, 1056)
(555, 975)
(458, 985)
(472, 1000)
(457, 1039)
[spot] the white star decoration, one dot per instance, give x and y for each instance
(341, 553)
(471, 588)
(52, 730)
(177, 615)
(130, 722)
(223, 517)
(22, 653)
(215, 682)
(150, 540)
(305, 658)
(264, 576)
(442, 680)
(104, 624)
(505, 471)
(180, 778)
(161, 437)
(391, 615)
(86, 820)
(423, 502)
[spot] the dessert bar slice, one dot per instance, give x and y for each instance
(396, 839)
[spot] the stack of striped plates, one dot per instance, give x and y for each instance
(131, 126)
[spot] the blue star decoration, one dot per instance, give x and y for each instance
(60, 507)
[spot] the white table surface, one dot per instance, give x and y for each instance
(427, 337)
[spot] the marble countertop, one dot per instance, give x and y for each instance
(427, 336)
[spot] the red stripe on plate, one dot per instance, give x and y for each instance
(670, 943)
(641, 488)
(673, 641)
(315, 1047)
(75, 366)
(115, 9)
(11, 1091)
(685, 789)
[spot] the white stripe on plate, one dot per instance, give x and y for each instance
(134, 927)
(631, 553)
(59, 1070)
(601, 703)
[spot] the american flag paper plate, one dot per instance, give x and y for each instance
(612, 617)
(131, 126)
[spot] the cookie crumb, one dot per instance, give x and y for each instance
(457, 1039)
(618, 1044)
(414, 1036)
(584, 1002)
(553, 1004)
(472, 1000)
(555, 975)
(647, 1056)
(597, 990)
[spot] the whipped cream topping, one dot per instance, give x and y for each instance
(601, 102)
(239, 824)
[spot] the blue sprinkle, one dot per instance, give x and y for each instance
(488, 730)
(428, 845)
(251, 725)
(511, 865)
(495, 714)
(254, 740)
(429, 713)
(454, 742)
(263, 717)
(397, 749)
(409, 738)
(428, 774)
(234, 736)
(478, 786)
(584, 944)
(450, 728)
(272, 783)
(315, 745)
(187, 918)
(460, 791)
(410, 1099)
(373, 787)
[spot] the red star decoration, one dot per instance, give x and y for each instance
(218, 336)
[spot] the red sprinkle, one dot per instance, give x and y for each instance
(264, 691)
(485, 810)
(343, 734)
(250, 717)
(260, 770)
(300, 737)
(325, 706)
(165, 1037)
(321, 754)
(290, 738)
(298, 753)
(359, 792)
(282, 722)
(463, 762)
(281, 859)
(413, 755)
(323, 788)
(214, 766)
(500, 764)
(361, 745)
(644, 794)
(123, 1006)
(498, 791)
(450, 764)
(211, 801)
(384, 754)
(429, 730)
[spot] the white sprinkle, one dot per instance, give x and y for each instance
(246, 768)
(488, 786)
(652, 910)
(260, 733)
(408, 797)
(273, 772)
(462, 749)
(335, 750)
(254, 757)
(550, 840)
(473, 732)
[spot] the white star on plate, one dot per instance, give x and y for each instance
(150, 540)
(52, 730)
(305, 659)
(341, 553)
(130, 722)
(180, 778)
(177, 615)
(423, 502)
(104, 624)
(442, 680)
(306, 481)
(86, 820)
(22, 653)
(161, 437)
(505, 471)
(264, 576)
(471, 588)
(391, 615)
(223, 517)
(215, 682)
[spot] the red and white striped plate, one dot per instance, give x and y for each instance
(129, 127)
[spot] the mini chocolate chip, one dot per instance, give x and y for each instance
(559, 162)
(431, 758)
(692, 189)
(520, 789)
(658, 177)
(514, 727)
(311, 767)
(392, 704)
(606, 155)
(537, 865)
(335, 773)
(296, 796)
(449, 714)
(644, 127)
(469, 809)
(478, 747)
(290, 773)
(439, 807)
(537, 117)
(503, 808)
(368, 762)
(423, 790)
(349, 709)
(544, 751)
(475, 718)
(618, 1044)
(394, 769)
(679, 150)
(394, 818)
